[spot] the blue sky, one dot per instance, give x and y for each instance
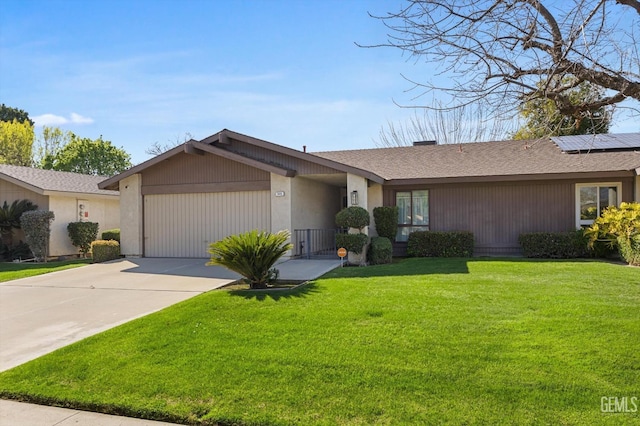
(145, 71)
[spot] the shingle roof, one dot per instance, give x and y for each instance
(51, 180)
(503, 158)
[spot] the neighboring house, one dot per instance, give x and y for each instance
(72, 197)
(177, 203)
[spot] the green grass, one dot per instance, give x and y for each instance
(423, 341)
(13, 271)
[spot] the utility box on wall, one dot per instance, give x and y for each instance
(83, 211)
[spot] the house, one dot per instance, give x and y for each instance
(177, 203)
(72, 197)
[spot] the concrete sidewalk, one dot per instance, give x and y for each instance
(23, 414)
(43, 313)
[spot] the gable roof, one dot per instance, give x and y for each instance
(498, 160)
(479, 161)
(48, 182)
(215, 143)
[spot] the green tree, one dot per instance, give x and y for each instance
(9, 114)
(48, 144)
(542, 117)
(87, 156)
(16, 142)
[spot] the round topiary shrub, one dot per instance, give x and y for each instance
(353, 217)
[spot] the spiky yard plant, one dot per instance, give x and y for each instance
(251, 254)
(10, 218)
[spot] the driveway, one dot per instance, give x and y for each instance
(44, 313)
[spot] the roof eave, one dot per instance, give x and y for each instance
(242, 159)
(510, 178)
(113, 182)
(81, 194)
(22, 184)
(223, 134)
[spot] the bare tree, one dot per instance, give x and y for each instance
(459, 125)
(502, 53)
(157, 148)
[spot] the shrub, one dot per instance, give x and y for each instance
(386, 219)
(353, 217)
(82, 234)
(251, 254)
(111, 234)
(37, 229)
(381, 250)
(630, 249)
(554, 245)
(440, 244)
(621, 226)
(18, 251)
(105, 250)
(352, 242)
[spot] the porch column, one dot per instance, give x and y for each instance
(374, 198)
(359, 184)
(131, 216)
(637, 189)
(281, 193)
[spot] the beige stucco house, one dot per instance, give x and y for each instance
(177, 203)
(72, 197)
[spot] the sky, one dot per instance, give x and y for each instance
(140, 72)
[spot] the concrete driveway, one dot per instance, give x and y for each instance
(44, 313)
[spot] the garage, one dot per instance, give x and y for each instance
(183, 225)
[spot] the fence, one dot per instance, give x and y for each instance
(310, 243)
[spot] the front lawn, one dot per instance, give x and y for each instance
(422, 341)
(12, 271)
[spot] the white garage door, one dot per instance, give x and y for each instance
(183, 225)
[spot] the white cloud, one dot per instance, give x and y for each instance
(78, 119)
(57, 120)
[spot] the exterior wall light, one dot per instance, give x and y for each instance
(354, 198)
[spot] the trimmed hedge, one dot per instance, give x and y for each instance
(111, 234)
(352, 242)
(36, 225)
(554, 245)
(630, 249)
(380, 251)
(386, 219)
(440, 244)
(82, 234)
(104, 251)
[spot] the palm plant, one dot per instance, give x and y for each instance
(251, 254)
(10, 218)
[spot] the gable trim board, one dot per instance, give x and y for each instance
(494, 189)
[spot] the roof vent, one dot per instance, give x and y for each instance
(424, 143)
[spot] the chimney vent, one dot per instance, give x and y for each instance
(424, 143)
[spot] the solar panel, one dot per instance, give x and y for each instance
(603, 142)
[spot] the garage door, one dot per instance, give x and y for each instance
(183, 225)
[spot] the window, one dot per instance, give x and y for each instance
(593, 198)
(413, 212)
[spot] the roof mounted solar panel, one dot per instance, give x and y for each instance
(602, 142)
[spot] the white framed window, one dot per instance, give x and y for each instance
(593, 198)
(413, 212)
